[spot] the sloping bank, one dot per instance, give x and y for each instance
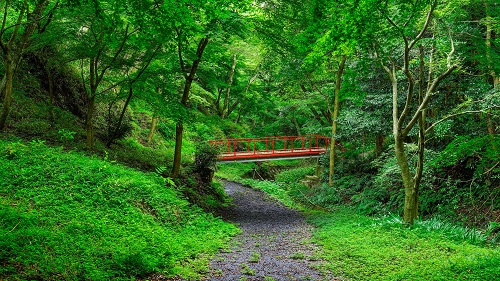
(65, 216)
(358, 247)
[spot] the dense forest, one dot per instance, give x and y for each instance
(107, 107)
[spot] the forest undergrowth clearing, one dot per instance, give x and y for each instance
(359, 247)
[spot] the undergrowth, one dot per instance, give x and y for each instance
(66, 216)
(358, 247)
(362, 248)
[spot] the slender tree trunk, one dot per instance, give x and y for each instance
(152, 129)
(89, 123)
(13, 50)
(9, 77)
(225, 110)
(335, 114)
(408, 183)
(112, 137)
(379, 145)
(495, 79)
(179, 129)
(50, 78)
(239, 115)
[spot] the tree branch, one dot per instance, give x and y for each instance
(179, 52)
(426, 24)
(120, 49)
(458, 114)
(427, 97)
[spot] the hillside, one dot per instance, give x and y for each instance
(74, 217)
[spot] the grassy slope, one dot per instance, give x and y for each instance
(72, 217)
(358, 247)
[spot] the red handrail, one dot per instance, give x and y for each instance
(240, 148)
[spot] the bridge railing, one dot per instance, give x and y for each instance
(271, 145)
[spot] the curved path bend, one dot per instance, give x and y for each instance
(274, 244)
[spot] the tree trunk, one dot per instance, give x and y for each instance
(13, 51)
(50, 78)
(495, 79)
(112, 137)
(335, 114)
(185, 96)
(89, 122)
(408, 183)
(379, 145)
(179, 129)
(9, 76)
(225, 110)
(152, 130)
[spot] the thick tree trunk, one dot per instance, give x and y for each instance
(335, 114)
(152, 129)
(410, 206)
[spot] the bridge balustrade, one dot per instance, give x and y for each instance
(237, 149)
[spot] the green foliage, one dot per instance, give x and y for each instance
(361, 248)
(205, 161)
(80, 218)
(294, 175)
(254, 257)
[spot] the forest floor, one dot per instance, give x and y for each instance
(274, 243)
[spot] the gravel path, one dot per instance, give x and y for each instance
(274, 244)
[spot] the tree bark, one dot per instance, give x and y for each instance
(495, 79)
(379, 145)
(401, 127)
(335, 114)
(226, 109)
(179, 128)
(50, 78)
(13, 50)
(152, 129)
(89, 123)
(7, 101)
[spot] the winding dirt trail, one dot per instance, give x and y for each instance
(274, 244)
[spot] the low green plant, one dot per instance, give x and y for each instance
(297, 256)
(254, 257)
(81, 218)
(358, 247)
(246, 270)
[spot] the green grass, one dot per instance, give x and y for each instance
(357, 247)
(65, 216)
(234, 171)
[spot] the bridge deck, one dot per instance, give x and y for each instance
(270, 148)
(252, 156)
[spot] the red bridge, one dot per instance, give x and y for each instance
(270, 148)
